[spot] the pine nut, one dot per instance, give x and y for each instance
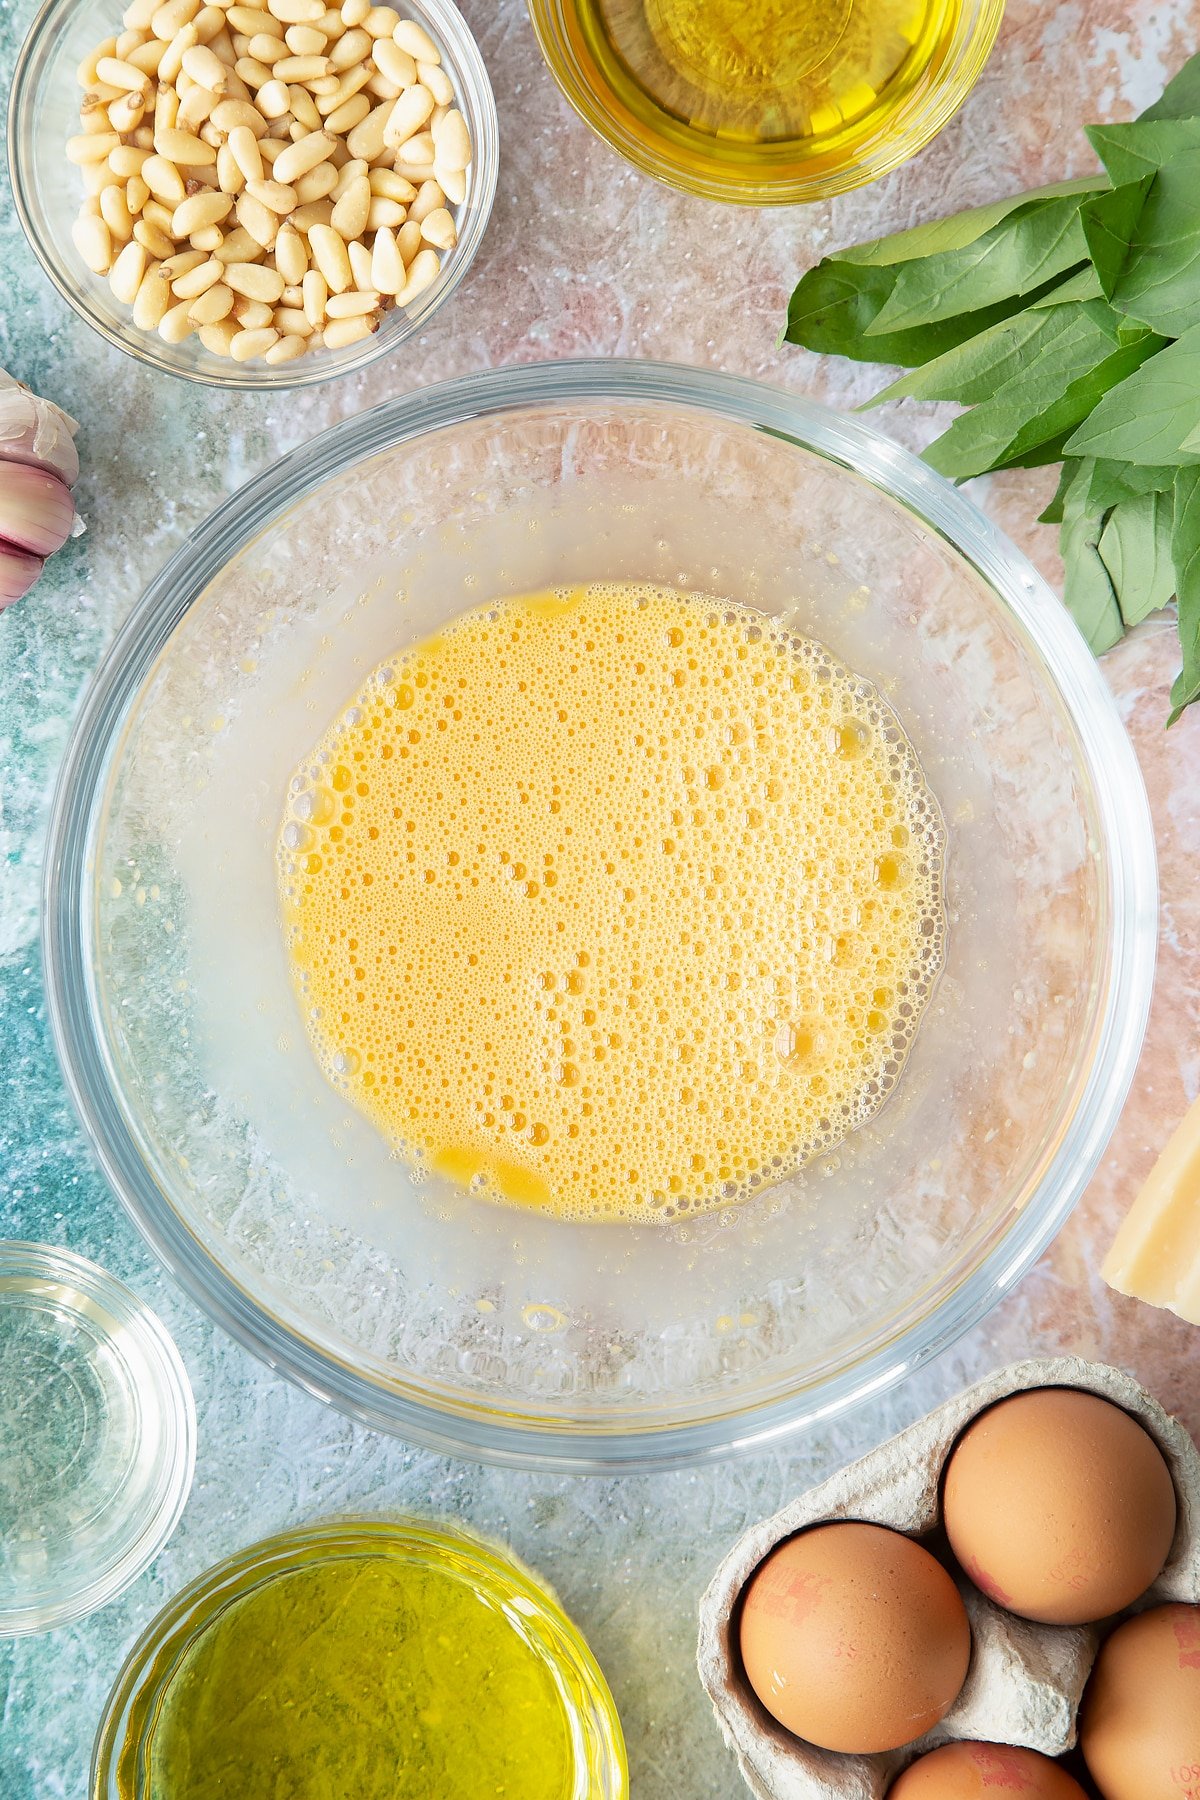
(388, 274)
(256, 75)
(316, 184)
(175, 325)
(305, 217)
(148, 57)
(231, 114)
(94, 243)
(85, 74)
(125, 276)
(351, 305)
(354, 81)
(425, 268)
(291, 322)
(316, 296)
(353, 12)
(252, 315)
(239, 246)
(166, 108)
(390, 186)
(153, 240)
(213, 305)
(229, 172)
(429, 198)
(381, 21)
(408, 115)
(136, 193)
(416, 40)
(352, 170)
(435, 78)
(198, 280)
(92, 147)
(304, 155)
(395, 63)
(274, 194)
(453, 181)
(408, 241)
(291, 258)
(138, 14)
(127, 112)
(303, 68)
(331, 23)
(171, 18)
(164, 180)
(366, 139)
(349, 213)
(273, 99)
(217, 338)
(115, 213)
(438, 228)
(343, 332)
(250, 20)
(419, 148)
(122, 75)
(160, 216)
(292, 295)
(351, 48)
(304, 108)
(380, 88)
(360, 265)
(285, 350)
(170, 65)
(349, 114)
(179, 264)
(95, 177)
(258, 220)
(254, 280)
(297, 12)
(305, 40)
(452, 141)
(206, 67)
(265, 49)
(329, 250)
(152, 301)
(125, 161)
(183, 147)
(245, 345)
(195, 109)
(199, 210)
(382, 212)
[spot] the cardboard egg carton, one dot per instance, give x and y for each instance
(1025, 1681)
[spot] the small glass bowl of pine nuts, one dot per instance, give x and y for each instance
(253, 195)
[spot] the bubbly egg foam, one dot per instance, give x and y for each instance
(618, 902)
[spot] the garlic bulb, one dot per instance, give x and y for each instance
(38, 465)
(36, 431)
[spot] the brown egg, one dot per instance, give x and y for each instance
(984, 1772)
(1140, 1728)
(1059, 1506)
(854, 1637)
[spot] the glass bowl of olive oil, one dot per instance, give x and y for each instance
(763, 102)
(370, 1657)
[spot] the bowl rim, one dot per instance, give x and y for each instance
(154, 1658)
(26, 1267)
(970, 49)
(448, 24)
(1130, 898)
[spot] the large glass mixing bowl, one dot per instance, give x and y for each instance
(479, 1328)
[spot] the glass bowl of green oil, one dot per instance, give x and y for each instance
(362, 1657)
(765, 102)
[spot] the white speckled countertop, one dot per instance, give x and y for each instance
(584, 256)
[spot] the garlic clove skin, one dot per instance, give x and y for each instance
(36, 431)
(19, 569)
(36, 509)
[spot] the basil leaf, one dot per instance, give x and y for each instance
(1180, 99)
(1140, 147)
(1109, 222)
(1135, 548)
(1084, 284)
(1014, 258)
(1185, 546)
(1067, 474)
(1149, 417)
(1160, 282)
(1113, 482)
(1074, 364)
(835, 302)
(1087, 589)
(960, 229)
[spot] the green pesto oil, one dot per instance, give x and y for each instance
(361, 1678)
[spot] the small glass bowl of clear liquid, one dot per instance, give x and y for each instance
(97, 1437)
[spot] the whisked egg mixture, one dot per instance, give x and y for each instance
(618, 902)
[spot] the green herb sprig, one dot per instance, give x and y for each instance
(1067, 321)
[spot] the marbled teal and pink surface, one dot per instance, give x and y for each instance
(584, 257)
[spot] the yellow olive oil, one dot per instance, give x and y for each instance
(764, 88)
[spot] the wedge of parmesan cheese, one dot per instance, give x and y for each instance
(1156, 1256)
